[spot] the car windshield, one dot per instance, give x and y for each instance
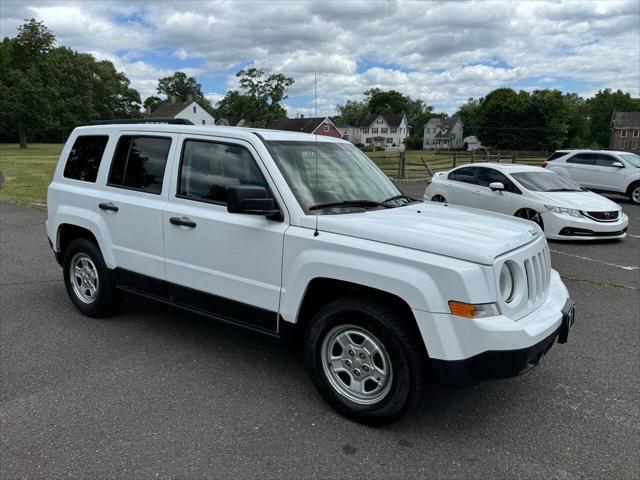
(631, 158)
(546, 182)
(343, 176)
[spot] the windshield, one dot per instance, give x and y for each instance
(546, 182)
(344, 174)
(631, 158)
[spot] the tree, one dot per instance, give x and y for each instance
(183, 87)
(151, 103)
(469, 113)
(259, 99)
(112, 95)
(353, 112)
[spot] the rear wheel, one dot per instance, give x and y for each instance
(531, 215)
(438, 198)
(365, 360)
(87, 279)
(634, 193)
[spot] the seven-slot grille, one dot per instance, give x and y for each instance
(603, 216)
(538, 270)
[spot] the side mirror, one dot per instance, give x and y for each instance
(617, 164)
(252, 201)
(496, 186)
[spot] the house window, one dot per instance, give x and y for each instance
(394, 130)
(374, 130)
(365, 130)
(389, 140)
(623, 133)
(367, 140)
(383, 130)
(203, 122)
(633, 146)
(194, 109)
(379, 121)
(400, 130)
(326, 128)
(636, 133)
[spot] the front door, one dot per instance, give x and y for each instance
(487, 199)
(221, 263)
(605, 176)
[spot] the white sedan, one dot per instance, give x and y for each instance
(562, 208)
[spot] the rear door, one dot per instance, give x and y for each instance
(225, 264)
(607, 177)
(460, 186)
(580, 167)
(132, 205)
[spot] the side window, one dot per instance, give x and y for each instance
(209, 169)
(139, 163)
(583, 159)
(85, 156)
(464, 174)
(487, 176)
(606, 160)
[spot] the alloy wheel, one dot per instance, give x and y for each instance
(84, 278)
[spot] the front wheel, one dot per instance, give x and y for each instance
(366, 361)
(634, 193)
(438, 198)
(532, 216)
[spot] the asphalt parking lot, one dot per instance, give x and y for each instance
(156, 393)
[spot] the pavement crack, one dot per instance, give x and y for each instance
(590, 281)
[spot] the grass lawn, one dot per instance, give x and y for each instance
(27, 172)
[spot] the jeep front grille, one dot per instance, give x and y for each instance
(538, 270)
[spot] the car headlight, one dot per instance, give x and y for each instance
(564, 211)
(506, 282)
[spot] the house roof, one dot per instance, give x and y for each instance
(169, 109)
(625, 120)
(305, 125)
(446, 122)
(392, 119)
(229, 121)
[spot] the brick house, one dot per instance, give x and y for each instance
(314, 125)
(625, 131)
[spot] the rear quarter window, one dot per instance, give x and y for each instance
(84, 158)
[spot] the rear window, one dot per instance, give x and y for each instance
(464, 174)
(85, 156)
(139, 163)
(583, 159)
(555, 155)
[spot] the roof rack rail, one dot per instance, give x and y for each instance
(169, 120)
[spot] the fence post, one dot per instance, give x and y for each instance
(455, 160)
(487, 154)
(499, 157)
(473, 156)
(513, 159)
(426, 165)
(401, 165)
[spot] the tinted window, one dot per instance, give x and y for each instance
(139, 163)
(606, 160)
(464, 174)
(583, 159)
(546, 182)
(84, 158)
(489, 175)
(207, 170)
(556, 155)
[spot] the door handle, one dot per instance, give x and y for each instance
(182, 222)
(108, 206)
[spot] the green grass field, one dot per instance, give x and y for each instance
(28, 172)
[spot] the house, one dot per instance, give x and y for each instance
(443, 133)
(314, 125)
(231, 122)
(189, 110)
(472, 143)
(625, 131)
(378, 131)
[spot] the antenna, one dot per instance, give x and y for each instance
(315, 106)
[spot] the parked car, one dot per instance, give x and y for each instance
(562, 209)
(600, 170)
(303, 238)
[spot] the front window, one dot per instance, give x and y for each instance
(546, 182)
(623, 133)
(365, 130)
(374, 130)
(631, 158)
(383, 130)
(339, 173)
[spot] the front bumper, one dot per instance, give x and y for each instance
(502, 363)
(565, 227)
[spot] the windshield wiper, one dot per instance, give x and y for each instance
(349, 203)
(399, 197)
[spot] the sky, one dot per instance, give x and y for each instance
(441, 52)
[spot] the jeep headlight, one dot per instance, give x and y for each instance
(564, 211)
(506, 282)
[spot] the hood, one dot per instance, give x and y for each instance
(464, 233)
(585, 201)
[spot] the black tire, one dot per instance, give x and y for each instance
(107, 298)
(532, 216)
(634, 186)
(438, 198)
(402, 342)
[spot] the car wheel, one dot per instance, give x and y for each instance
(438, 198)
(365, 359)
(634, 193)
(532, 216)
(88, 281)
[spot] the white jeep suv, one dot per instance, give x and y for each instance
(603, 171)
(303, 238)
